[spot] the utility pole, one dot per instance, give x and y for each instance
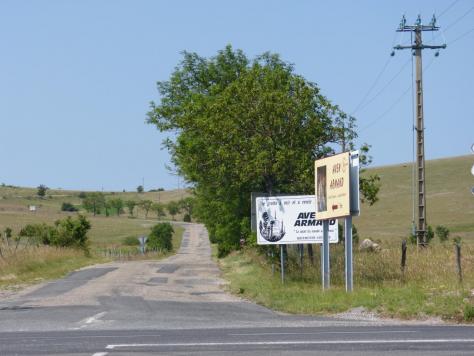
(417, 46)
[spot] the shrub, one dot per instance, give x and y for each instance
(38, 233)
(68, 207)
(468, 312)
(429, 236)
(187, 218)
(442, 232)
(41, 192)
(130, 241)
(161, 237)
(72, 232)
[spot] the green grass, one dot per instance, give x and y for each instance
(46, 263)
(448, 199)
(379, 285)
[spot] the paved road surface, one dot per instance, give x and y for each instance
(178, 306)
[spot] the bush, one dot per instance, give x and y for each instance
(72, 233)
(429, 236)
(442, 232)
(468, 312)
(161, 237)
(68, 207)
(131, 241)
(38, 233)
(187, 218)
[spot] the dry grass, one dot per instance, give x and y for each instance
(449, 200)
(429, 287)
(35, 264)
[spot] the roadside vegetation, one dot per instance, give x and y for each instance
(60, 235)
(429, 286)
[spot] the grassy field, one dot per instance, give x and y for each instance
(106, 231)
(43, 263)
(448, 199)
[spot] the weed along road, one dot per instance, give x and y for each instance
(178, 306)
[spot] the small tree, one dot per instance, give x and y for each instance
(42, 190)
(131, 204)
(442, 232)
(140, 189)
(187, 205)
(117, 204)
(93, 202)
(161, 236)
(173, 208)
(146, 206)
(159, 210)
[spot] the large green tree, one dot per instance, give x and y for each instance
(243, 125)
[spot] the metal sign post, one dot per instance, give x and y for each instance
(325, 256)
(282, 264)
(348, 248)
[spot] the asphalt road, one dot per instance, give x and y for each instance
(178, 307)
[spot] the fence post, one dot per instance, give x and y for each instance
(404, 258)
(458, 260)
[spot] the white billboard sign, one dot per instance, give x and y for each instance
(291, 220)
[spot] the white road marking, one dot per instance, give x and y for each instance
(100, 354)
(330, 332)
(91, 320)
(277, 343)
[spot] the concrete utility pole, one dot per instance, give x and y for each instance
(417, 46)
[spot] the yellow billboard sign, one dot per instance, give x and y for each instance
(332, 182)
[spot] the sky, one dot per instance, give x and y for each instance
(77, 77)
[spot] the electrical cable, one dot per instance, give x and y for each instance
(394, 103)
(377, 78)
(461, 36)
(448, 8)
(385, 86)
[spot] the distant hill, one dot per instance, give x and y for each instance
(448, 194)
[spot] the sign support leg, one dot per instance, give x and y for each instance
(282, 264)
(348, 250)
(325, 255)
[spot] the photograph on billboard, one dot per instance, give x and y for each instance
(332, 183)
(290, 220)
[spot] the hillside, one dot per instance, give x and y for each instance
(449, 200)
(106, 231)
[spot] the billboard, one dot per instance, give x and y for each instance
(290, 220)
(332, 182)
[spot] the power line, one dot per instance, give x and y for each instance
(461, 36)
(394, 104)
(458, 19)
(377, 78)
(372, 86)
(448, 8)
(386, 85)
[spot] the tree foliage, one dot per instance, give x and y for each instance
(146, 206)
(117, 204)
(244, 125)
(94, 202)
(160, 237)
(131, 204)
(41, 190)
(173, 208)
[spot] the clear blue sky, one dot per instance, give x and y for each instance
(76, 78)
